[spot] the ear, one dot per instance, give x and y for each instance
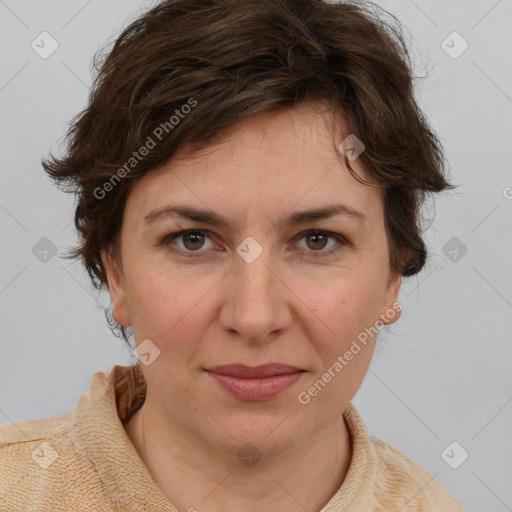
(391, 309)
(116, 288)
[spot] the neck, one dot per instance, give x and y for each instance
(195, 476)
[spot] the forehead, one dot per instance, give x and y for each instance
(267, 165)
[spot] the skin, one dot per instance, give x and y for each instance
(287, 306)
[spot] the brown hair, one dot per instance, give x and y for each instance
(187, 70)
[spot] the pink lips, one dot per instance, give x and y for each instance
(255, 383)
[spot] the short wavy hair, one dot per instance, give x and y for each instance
(231, 60)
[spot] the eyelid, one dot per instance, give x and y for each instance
(342, 241)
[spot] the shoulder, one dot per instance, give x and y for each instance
(43, 462)
(400, 480)
(33, 430)
(33, 442)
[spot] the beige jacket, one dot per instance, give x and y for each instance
(84, 460)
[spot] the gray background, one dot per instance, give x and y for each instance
(441, 374)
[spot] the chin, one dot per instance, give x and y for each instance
(265, 435)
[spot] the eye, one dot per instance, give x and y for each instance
(317, 240)
(194, 240)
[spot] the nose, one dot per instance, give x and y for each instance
(256, 300)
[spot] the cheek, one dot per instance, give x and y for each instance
(158, 305)
(344, 348)
(174, 313)
(347, 304)
(346, 313)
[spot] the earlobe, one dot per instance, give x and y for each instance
(391, 308)
(116, 288)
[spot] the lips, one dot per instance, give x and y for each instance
(255, 383)
(251, 372)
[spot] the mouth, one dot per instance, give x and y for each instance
(255, 383)
(252, 372)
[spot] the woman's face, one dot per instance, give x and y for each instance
(261, 288)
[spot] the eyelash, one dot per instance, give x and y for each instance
(343, 242)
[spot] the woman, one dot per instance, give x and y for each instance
(248, 176)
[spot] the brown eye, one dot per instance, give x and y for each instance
(193, 240)
(317, 241)
(188, 243)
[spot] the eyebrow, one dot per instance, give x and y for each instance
(214, 219)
